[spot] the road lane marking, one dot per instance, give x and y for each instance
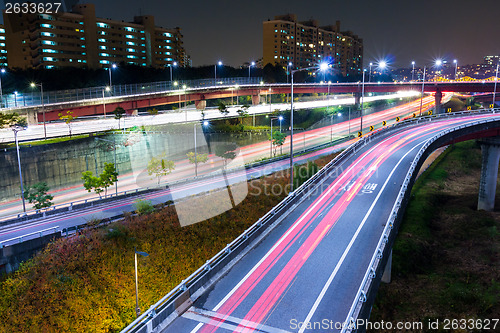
(346, 251)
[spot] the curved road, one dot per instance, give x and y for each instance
(304, 275)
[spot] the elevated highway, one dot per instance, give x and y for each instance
(161, 93)
(314, 263)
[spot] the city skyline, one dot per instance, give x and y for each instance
(392, 30)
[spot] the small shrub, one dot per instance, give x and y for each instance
(143, 207)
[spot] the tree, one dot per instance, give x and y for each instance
(303, 173)
(243, 112)
(153, 111)
(68, 118)
(37, 194)
(11, 119)
(277, 140)
(226, 151)
(100, 183)
(160, 166)
(119, 112)
(195, 159)
(223, 108)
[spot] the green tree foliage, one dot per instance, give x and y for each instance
(11, 119)
(153, 111)
(100, 183)
(143, 207)
(303, 173)
(160, 166)
(37, 195)
(67, 118)
(277, 139)
(223, 108)
(243, 112)
(200, 158)
(119, 112)
(226, 151)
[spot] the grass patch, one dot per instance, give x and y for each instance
(446, 256)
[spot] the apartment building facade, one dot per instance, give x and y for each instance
(79, 39)
(305, 44)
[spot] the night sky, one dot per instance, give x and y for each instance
(400, 30)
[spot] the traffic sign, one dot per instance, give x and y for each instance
(492, 106)
(413, 115)
(371, 128)
(384, 123)
(397, 118)
(429, 113)
(360, 134)
(468, 108)
(448, 110)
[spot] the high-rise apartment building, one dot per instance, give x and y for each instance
(306, 44)
(492, 60)
(79, 39)
(3, 48)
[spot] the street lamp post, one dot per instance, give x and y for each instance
(104, 101)
(456, 67)
(370, 73)
(109, 69)
(185, 102)
(137, 309)
(33, 84)
(249, 67)
(422, 95)
(362, 100)
(172, 65)
(412, 70)
(280, 118)
(1, 92)
(495, 88)
(18, 129)
(323, 67)
(215, 71)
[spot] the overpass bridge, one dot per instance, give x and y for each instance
(98, 101)
(314, 262)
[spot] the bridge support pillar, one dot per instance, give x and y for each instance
(31, 117)
(255, 99)
(386, 277)
(489, 173)
(357, 99)
(201, 104)
(438, 96)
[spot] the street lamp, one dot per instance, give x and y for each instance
(495, 88)
(323, 67)
(362, 100)
(412, 70)
(109, 69)
(15, 99)
(185, 102)
(205, 124)
(280, 118)
(16, 129)
(249, 67)
(219, 63)
(137, 309)
(104, 101)
(456, 67)
(33, 85)
(1, 92)
(289, 65)
(370, 73)
(174, 64)
(438, 63)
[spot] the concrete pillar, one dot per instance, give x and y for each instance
(357, 99)
(201, 104)
(386, 277)
(489, 173)
(255, 99)
(31, 117)
(438, 96)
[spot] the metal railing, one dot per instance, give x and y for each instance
(34, 98)
(376, 260)
(20, 238)
(154, 316)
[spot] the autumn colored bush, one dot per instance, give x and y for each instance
(85, 283)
